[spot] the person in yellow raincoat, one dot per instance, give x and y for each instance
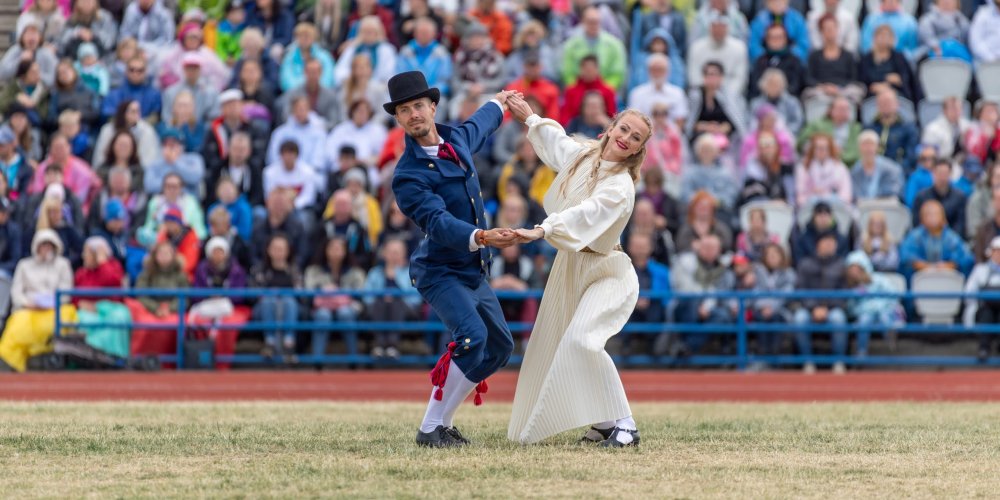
(36, 279)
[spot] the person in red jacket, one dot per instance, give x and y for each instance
(589, 80)
(182, 237)
(99, 270)
(533, 84)
(499, 25)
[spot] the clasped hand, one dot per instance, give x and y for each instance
(503, 237)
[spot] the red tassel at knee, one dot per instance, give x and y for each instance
(481, 388)
(439, 374)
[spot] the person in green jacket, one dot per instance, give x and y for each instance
(162, 270)
(609, 50)
(840, 124)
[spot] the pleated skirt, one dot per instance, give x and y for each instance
(567, 379)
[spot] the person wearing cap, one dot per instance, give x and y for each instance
(191, 40)
(221, 315)
(532, 83)
(149, 22)
(10, 252)
(188, 166)
(36, 279)
(720, 46)
(593, 40)
(29, 41)
(92, 72)
(822, 223)
(293, 62)
(984, 278)
(660, 91)
(174, 230)
(136, 87)
(101, 269)
(478, 64)
(206, 97)
(220, 269)
(13, 166)
(230, 122)
(306, 129)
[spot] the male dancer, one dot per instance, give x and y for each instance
(436, 186)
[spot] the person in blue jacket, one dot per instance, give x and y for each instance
(437, 186)
(777, 11)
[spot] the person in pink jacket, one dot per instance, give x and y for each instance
(821, 174)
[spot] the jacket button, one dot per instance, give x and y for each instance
(430, 165)
(414, 282)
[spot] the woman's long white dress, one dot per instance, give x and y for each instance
(567, 379)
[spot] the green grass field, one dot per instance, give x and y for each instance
(353, 450)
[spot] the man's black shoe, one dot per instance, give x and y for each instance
(438, 438)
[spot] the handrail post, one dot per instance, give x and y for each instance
(741, 333)
(58, 313)
(181, 309)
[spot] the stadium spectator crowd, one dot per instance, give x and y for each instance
(241, 143)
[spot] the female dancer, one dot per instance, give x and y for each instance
(567, 379)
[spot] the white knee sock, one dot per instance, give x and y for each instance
(436, 410)
(456, 391)
(627, 423)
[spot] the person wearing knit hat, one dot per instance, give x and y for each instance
(217, 243)
(93, 74)
(176, 231)
(869, 308)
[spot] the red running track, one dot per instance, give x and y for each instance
(415, 386)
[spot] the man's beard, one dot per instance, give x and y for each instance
(420, 134)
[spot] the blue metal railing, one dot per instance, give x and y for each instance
(740, 328)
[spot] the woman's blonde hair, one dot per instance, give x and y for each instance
(594, 149)
(866, 237)
(44, 222)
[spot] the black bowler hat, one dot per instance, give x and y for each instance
(406, 87)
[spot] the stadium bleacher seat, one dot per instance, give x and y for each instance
(938, 311)
(988, 80)
(943, 78)
(898, 281)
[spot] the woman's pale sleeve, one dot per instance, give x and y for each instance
(556, 149)
(578, 227)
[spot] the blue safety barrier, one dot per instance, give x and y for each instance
(742, 329)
